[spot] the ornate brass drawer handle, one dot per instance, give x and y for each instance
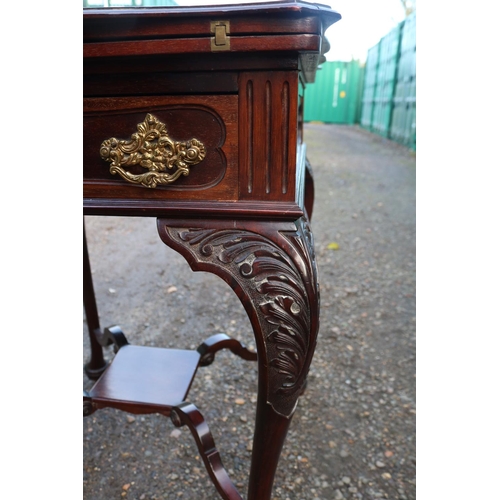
(152, 148)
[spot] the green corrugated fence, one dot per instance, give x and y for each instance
(334, 97)
(403, 126)
(389, 92)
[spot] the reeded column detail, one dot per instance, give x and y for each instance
(268, 135)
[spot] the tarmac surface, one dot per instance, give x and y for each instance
(353, 433)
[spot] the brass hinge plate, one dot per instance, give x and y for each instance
(220, 40)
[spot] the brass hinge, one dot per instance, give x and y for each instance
(220, 40)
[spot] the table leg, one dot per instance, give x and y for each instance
(271, 267)
(97, 364)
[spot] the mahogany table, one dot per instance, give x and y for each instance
(194, 116)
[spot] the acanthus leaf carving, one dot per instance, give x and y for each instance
(279, 294)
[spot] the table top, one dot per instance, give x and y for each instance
(282, 7)
(285, 25)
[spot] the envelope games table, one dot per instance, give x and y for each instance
(194, 116)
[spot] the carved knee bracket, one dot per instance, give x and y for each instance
(271, 267)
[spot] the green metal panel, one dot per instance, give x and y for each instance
(370, 82)
(389, 92)
(356, 104)
(334, 96)
(403, 127)
(386, 80)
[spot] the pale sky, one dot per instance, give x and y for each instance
(363, 24)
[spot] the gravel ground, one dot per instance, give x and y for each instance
(353, 434)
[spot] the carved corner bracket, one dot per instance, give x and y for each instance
(271, 267)
(152, 148)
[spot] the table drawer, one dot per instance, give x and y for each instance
(161, 148)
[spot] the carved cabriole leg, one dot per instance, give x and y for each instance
(271, 267)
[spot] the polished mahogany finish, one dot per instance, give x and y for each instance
(194, 116)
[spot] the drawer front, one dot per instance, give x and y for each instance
(161, 148)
